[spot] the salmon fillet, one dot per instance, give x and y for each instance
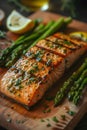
(35, 72)
(30, 78)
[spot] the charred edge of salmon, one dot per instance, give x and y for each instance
(74, 41)
(62, 43)
(53, 50)
(44, 56)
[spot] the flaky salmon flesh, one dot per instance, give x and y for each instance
(35, 72)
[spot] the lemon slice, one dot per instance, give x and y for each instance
(19, 24)
(79, 35)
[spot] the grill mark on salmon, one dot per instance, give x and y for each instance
(55, 48)
(73, 41)
(31, 78)
(40, 54)
(62, 42)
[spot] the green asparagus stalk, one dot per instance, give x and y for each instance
(39, 33)
(16, 53)
(67, 21)
(9, 50)
(57, 25)
(63, 90)
(78, 94)
(76, 85)
(39, 27)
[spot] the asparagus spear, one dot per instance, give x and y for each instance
(16, 54)
(67, 21)
(9, 50)
(18, 51)
(76, 85)
(50, 31)
(39, 27)
(37, 23)
(78, 93)
(37, 32)
(63, 90)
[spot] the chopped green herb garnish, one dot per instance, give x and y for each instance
(38, 53)
(47, 119)
(67, 42)
(63, 117)
(47, 110)
(59, 46)
(55, 119)
(48, 125)
(51, 46)
(42, 120)
(38, 58)
(64, 50)
(35, 66)
(32, 71)
(32, 79)
(18, 82)
(48, 63)
(2, 34)
(42, 68)
(71, 113)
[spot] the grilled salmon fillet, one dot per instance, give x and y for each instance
(32, 75)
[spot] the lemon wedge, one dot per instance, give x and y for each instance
(19, 24)
(79, 35)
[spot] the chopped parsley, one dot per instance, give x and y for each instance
(63, 117)
(48, 125)
(42, 120)
(55, 119)
(48, 63)
(71, 113)
(47, 110)
(67, 42)
(18, 82)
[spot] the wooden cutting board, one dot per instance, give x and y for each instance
(42, 116)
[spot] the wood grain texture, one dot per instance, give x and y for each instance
(13, 116)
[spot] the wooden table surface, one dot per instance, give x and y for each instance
(8, 8)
